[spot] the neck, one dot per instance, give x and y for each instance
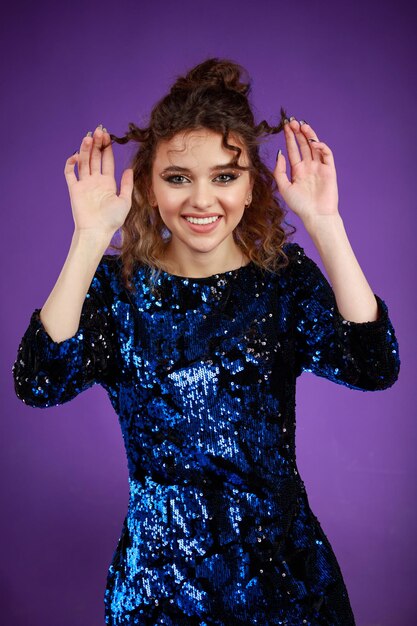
(194, 264)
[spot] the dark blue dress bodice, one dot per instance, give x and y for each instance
(202, 375)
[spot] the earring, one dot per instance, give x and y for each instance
(248, 201)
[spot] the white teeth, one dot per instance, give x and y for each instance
(202, 220)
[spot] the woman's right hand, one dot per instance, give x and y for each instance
(96, 207)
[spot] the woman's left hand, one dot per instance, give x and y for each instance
(312, 192)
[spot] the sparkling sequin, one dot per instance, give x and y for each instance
(202, 374)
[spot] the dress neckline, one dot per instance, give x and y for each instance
(206, 279)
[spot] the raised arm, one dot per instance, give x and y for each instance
(98, 212)
(343, 330)
(313, 196)
(68, 344)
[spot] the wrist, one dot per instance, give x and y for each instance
(319, 226)
(92, 237)
(329, 236)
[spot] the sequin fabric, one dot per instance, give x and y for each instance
(202, 375)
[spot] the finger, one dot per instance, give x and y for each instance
(280, 174)
(303, 144)
(69, 172)
(126, 185)
(95, 158)
(84, 157)
(107, 161)
(311, 137)
(292, 146)
(324, 152)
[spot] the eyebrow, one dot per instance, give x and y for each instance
(176, 168)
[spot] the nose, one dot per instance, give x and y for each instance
(202, 196)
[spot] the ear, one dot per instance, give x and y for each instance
(251, 181)
(151, 198)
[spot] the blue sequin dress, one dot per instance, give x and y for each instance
(202, 375)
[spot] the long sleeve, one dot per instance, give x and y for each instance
(360, 355)
(48, 373)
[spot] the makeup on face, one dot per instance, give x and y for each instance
(200, 193)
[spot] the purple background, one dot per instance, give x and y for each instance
(349, 70)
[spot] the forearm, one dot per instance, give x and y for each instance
(61, 312)
(355, 299)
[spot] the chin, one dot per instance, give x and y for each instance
(201, 243)
(209, 247)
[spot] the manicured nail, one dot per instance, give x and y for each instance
(286, 121)
(302, 122)
(89, 134)
(278, 153)
(104, 130)
(292, 118)
(315, 140)
(100, 126)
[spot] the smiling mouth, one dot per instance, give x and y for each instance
(203, 220)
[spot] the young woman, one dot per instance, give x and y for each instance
(198, 330)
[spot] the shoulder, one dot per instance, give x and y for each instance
(108, 272)
(301, 268)
(297, 258)
(111, 263)
(297, 255)
(293, 250)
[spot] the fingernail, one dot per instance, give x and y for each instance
(76, 152)
(286, 121)
(292, 118)
(100, 126)
(315, 140)
(89, 134)
(302, 122)
(278, 153)
(104, 130)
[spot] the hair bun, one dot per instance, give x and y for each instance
(215, 72)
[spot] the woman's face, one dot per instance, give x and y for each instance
(201, 198)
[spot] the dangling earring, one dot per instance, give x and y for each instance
(248, 201)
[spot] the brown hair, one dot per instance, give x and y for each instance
(213, 95)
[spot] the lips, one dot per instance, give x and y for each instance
(202, 220)
(201, 226)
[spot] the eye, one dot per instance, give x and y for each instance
(170, 179)
(230, 177)
(224, 178)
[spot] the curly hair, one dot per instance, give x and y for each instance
(214, 96)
